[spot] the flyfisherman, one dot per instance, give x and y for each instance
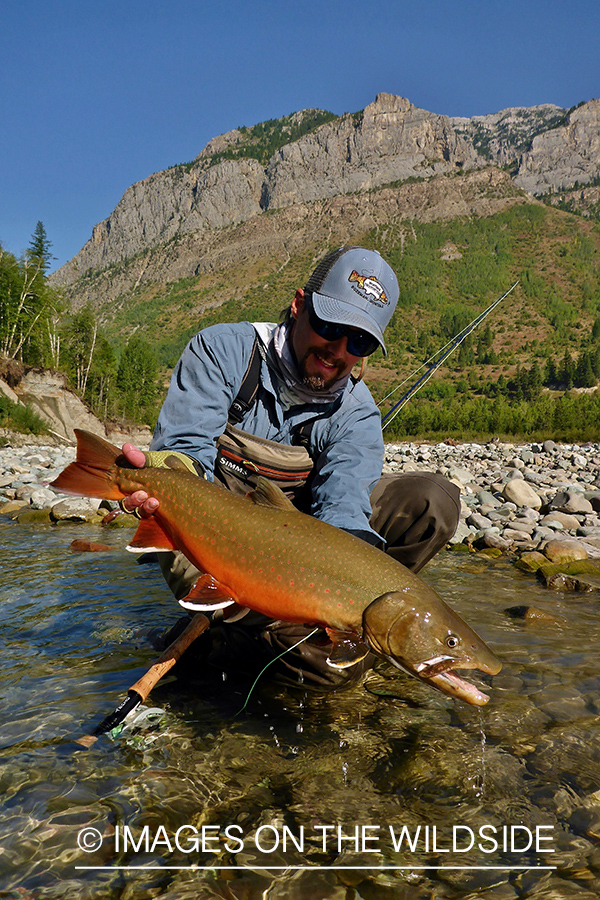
(281, 401)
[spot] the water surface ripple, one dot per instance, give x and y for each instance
(300, 779)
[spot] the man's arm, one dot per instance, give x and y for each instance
(349, 466)
(203, 386)
(195, 410)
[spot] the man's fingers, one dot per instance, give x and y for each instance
(140, 501)
(135, 500)
(149, 507)
(136, 457)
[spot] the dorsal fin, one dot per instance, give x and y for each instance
(268, 494)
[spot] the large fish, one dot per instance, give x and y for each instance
(263, 554)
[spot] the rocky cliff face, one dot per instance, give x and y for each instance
(390, 142)
(503, 136)
(565, 155)
(168, 204)
(256, 248)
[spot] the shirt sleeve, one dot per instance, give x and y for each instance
(203, 386)
(349, 466)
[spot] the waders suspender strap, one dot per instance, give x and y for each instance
(242, 458)
(248, 389)
(247, 395)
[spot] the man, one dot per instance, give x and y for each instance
(280, 400)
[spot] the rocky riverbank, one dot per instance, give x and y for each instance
(538, 503)
(25, 475)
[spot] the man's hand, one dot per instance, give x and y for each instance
(139, 500)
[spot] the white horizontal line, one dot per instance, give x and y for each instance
(328, 868)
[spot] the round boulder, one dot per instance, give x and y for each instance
(564, 551)
(570, 502)
(75, 509)
(521, 493)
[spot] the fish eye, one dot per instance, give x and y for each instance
(452, 641)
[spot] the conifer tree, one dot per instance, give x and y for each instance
(39, 251)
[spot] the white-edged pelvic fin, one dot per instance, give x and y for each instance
(148, 549)
(208, 594)
(348, 649)
(204, 607)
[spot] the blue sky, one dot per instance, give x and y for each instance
(95, 96)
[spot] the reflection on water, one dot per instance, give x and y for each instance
(386, 775)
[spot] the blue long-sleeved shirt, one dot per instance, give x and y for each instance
(346, 442)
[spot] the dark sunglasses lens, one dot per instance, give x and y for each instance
(359, 343)
(331, 331)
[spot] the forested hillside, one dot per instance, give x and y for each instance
(37, 328)
(530, 369)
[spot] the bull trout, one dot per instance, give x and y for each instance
(263, 554)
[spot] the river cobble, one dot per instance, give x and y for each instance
(515, 498)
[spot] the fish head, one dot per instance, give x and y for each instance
(425, 638)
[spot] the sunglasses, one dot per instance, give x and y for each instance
(358, 343)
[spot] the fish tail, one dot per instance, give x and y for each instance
(92, 474)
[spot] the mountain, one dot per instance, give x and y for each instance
(317, 156)
(460, 207)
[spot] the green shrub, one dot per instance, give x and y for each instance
(20, 418)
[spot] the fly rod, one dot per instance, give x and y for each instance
(138, 692)
(435, 361)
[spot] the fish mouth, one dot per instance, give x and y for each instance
(440, 673)
(452, 684)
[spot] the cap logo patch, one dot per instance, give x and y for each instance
(369, 287)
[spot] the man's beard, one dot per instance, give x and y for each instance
(315, 383)
(320, 382)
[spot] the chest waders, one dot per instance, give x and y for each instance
(415, 513)
(248, 641)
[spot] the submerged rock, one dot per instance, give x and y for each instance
(531, 562)
(533, 614)
(81, 546)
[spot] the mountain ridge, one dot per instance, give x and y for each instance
(257, 247)
(390, 142)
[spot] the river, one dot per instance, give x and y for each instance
(387, 790)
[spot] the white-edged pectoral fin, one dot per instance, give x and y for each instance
(348, 649)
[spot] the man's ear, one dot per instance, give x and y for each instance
(297, 303)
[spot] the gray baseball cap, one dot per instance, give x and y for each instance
(356, 287)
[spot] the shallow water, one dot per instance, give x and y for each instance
(198, 802)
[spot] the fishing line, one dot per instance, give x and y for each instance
(422, 366)
(270, 663)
